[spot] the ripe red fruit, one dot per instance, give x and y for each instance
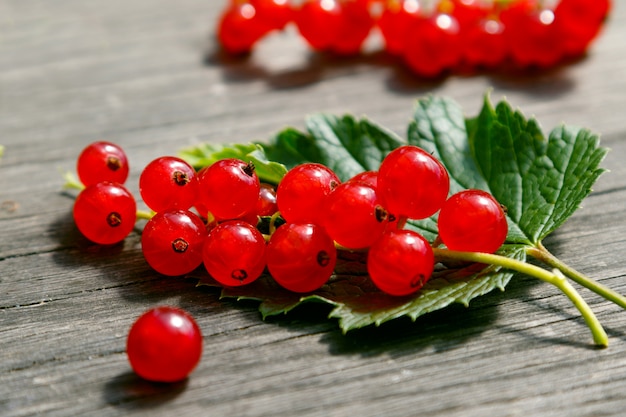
(164, 345)
(172, 242)
(356, 24)
(400, 262)
(319, 22)
(266, 205)
(234, 253)
(531, 34)
(433, 45)
(168, 183)
(105, 212)
(473, 221)
(354, 216)
(301, 257)
(240, 27)
(395, 22)
(412, 183)
(302, 192)
(229, 189)
(102, 161)
(274, 13)
(578, 22)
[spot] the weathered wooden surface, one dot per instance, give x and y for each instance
(145, 74)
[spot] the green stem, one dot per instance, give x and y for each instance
(555, 278)
(145, 215)
(542, 254)
(72, 182)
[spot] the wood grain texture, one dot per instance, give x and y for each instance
(149, 76)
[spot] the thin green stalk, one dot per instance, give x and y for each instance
(542, 254)
(555, 278)
(145, 215)
(72, 182)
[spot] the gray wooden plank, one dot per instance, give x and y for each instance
(144, 74)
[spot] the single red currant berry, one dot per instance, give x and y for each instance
(172, 242)
(356, 24)
(228, 189)
(412, 183)
(485, 44)
(302, 192)
(396, 20)
(432, 45)
(319, 22)
(266, 205)
(105, 212)
(234, 253)
(164, 345)
(102, 161)
(240, 27)
(274, 13)
(531, 34)
(301, 257)
(472, 221)
(366, 177)
(354, 217)
(400, 262)
(168, 183)
(578, 22)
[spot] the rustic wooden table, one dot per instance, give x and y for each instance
(145, 74)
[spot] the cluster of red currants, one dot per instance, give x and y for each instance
(210, 217)
(430, 36)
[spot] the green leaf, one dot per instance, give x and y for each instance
(540, 180)
(357, 303)
(344, 144)
(205, 154)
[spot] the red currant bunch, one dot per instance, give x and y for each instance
(430, 37)
(211, 219)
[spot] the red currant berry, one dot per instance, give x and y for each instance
(234, 253)
(102, 161)
(356, 24)
(396, 20)
(485, 44)
(433, 45)
(468, 12)
(172, 242)
(164, 344)
(531, 35)
(266, 205)
(302, 192)
(472, 221)
(366, 177)
(301, 257)
(168, 183)
(400, 262)
(412, 183)
(354, 217)
(319, 22)
(228, 189)
(578, 22)
(105, 212)
(240, 27)
(274, 13)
